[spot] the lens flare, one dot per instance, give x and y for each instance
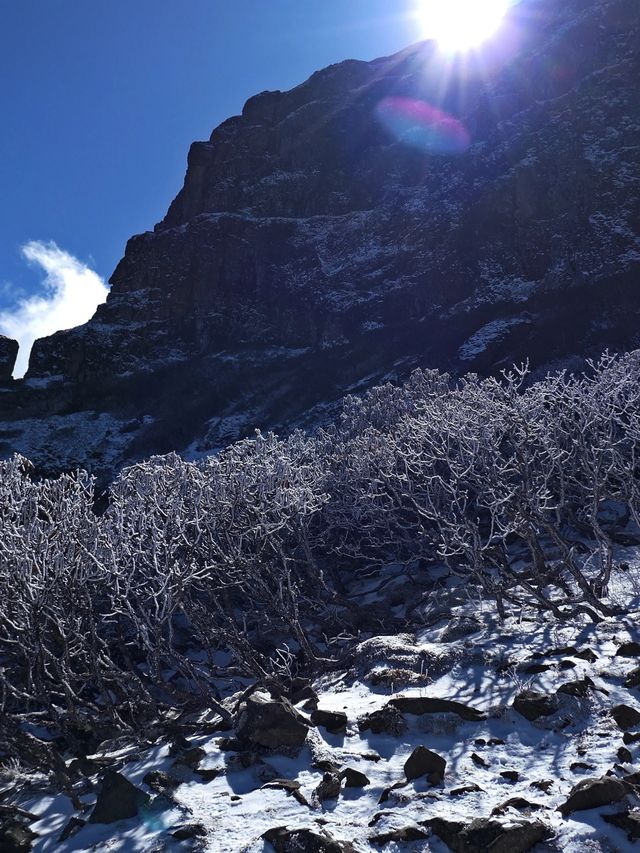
(423, 126)
(460, 25)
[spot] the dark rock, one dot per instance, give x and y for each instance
(478, 760)
(624, 755)
(633, 678)
(587, 654)
(207, 774)
(520, 804)
(15, 836)
(579, 688)
(629, 650)
(190, 757)
(592, 793)
(291, 787)
(510, 775)
(423, 762)
(428, 705)
(189, 830)
(354, 778)
(387, 720)
(567, 664)
(532, 705)
(334, 722)
(472, 788)
(536, 668)
(483, 834)
(543, 785)
(159, 781)
(580, 765)
(8, 355)
(399, 836)
(73, 825)
(329, 788)
(230, 744)
(625, 716)
(629, 737)
(561, 651)
(286, 840)
(271, 723)
(118, 799)
(626, 820)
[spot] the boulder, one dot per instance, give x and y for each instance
(626, 820)
(628, 650)
(632, 678)
(592, 793)
(15, 836)
(430, 705)
(118, 799)
(189, 830)
(625, 716)
(516, 835)
(354, 778)
(532, 705)
(329, 788)
(334, 722)
(272, 723)
(286, 840)
(387, 720)
(399, 836)
(423, 762)
(160, 782)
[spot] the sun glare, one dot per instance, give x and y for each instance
(459, 25)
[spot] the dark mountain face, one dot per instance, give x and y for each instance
(383, 215)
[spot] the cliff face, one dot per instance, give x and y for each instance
(312, 250)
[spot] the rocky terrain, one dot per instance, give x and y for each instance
(465, 735)
(311, 252)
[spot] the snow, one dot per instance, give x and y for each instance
(486, 669)
(490, 333)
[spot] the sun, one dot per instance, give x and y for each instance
(460, 25)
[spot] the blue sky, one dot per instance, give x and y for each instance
(100, 100)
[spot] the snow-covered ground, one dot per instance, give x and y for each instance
(475, 660)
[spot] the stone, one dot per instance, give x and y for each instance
(471, 788)
(399, 836)
(510, 775)
(625, 716)
(329, 787)
(387, 720)
(291, 787)
(478, 760)
(628, 650)
(592, 793)
(117, 799)
(520, 804)
(72, 826)
(335, 722)
(632, 678)
(304, 840)
(189, 830)
(271, 723)
(626, 820)
(159, 781)
(424, 762)
(517, 835)
(624, 755)
(579, 688)
(16, 836)
(532, 704)
(354, 778)
(429, 705)
(191, 757)
(587, 654)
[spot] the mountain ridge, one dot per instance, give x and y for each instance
(310, 252)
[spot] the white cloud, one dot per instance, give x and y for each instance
(71, 295)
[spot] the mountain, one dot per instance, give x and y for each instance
(414, 210)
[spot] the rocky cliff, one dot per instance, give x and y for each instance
(411, 210)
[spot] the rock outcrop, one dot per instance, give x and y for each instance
(8, 355)
(311, 250)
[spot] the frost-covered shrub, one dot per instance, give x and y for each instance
(522, 489)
